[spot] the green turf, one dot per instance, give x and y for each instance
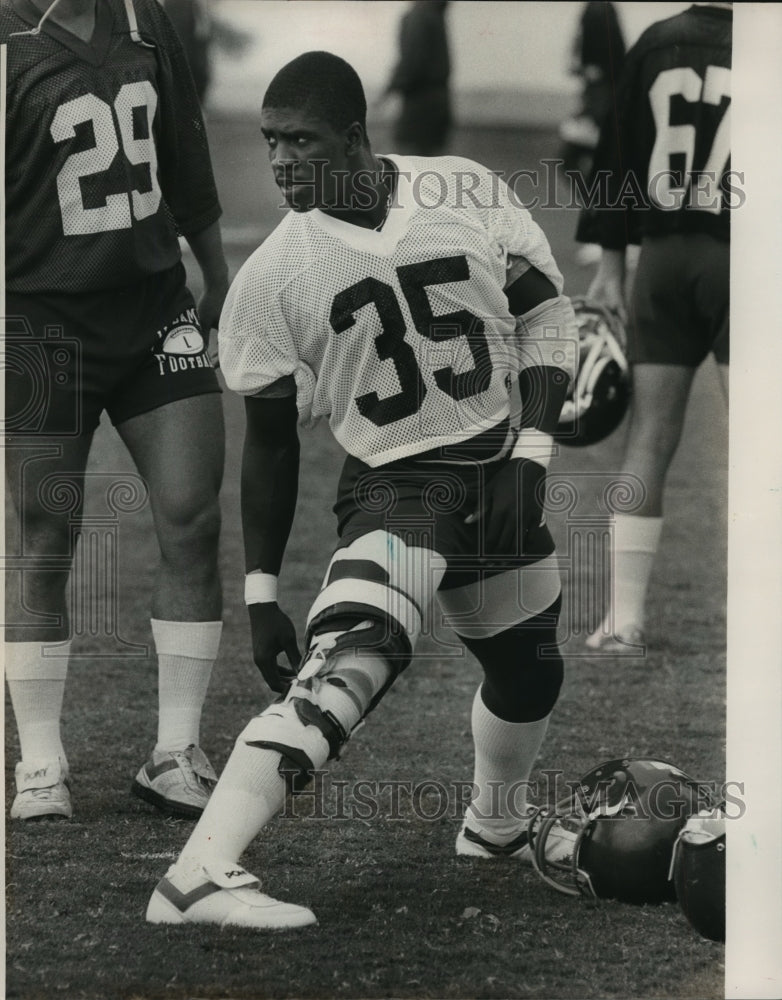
(400, 915)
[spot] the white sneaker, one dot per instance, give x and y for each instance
(227, 896)
(471, 844)
(630, 641)
(41, 790)
(178, 782)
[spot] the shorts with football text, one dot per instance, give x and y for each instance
(126, 350)
(680, 306)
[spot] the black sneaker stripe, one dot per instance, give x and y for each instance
(184, 900)
(155, 770)
(497, 849)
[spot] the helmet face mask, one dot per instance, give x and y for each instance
(600, 394)
(698, 872)
(613, 836)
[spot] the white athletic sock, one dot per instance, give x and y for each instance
(36, 683)
(186, 653)
(248, 795)
(636, 540)
(505, 753)
(251, 791)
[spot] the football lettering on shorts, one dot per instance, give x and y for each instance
(181, 346)
(170, 364)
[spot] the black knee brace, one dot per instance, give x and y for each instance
(523, 667)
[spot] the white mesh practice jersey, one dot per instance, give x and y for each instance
(402, 336)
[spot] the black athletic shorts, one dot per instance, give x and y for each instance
(69, 357)
(426, 504)
(680, 307)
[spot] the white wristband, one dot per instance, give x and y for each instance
(260, 588)
(535, 445)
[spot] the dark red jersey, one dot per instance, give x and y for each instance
(107, 159)
(662, 164)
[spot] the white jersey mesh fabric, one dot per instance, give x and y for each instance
(402, 336)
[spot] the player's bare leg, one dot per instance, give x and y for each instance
(659, 404)
(179, 450)
(46, 486)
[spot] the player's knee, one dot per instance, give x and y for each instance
(523, 668)
(188, 525)
(529, 695)
(319, 714)
(46, 533)
(343, 677)
(348, 667)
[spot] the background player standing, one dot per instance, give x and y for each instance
(193, 23)
(107, 159)
(421, 77)
(387, 301)
(597, 60)
(670, 145)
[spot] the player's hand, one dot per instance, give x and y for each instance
(609, 294)
(273, 633)
(512, 505)
(607, 288)
(210, 305)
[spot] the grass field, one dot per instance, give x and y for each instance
(400, 915)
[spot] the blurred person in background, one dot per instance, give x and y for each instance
(193, 23)
(421, 78)
(597, 59)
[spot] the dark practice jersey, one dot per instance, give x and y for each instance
(662, 164)
(106, 152)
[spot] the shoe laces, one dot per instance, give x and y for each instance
(186, 757)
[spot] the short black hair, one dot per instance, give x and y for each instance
(322, 84)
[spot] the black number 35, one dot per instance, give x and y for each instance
(392, 346)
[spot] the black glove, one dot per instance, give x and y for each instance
(273, 633)
(512, 505)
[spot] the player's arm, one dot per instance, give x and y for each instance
(269, 489)
(185, 165)
(207, 247)
(608, 218)
(545, 324)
